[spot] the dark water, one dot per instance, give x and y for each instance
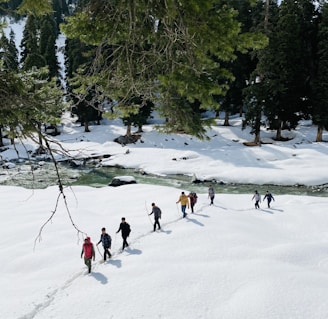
(42, 176)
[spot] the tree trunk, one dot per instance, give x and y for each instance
(128, 130)
(39, 134)
(86, 126)
(226, 119)
(319, 134)
(257, 139)
(140, 129)
(241, 111)
(279, 129)
(266, 15)
(1, 138)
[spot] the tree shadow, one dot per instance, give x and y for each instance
(100, 277)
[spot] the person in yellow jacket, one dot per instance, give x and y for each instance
(184, 200)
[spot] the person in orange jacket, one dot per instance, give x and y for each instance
(184, 200)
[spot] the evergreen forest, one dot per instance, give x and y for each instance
(264, 59)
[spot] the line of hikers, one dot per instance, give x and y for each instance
(88, 249)
(257, 197)
(185, 201)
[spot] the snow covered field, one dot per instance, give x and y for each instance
(226, 261)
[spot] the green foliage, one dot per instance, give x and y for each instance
(285, 66)
(35, 7)
(47, 44)
(142, 110)
(8, 52)
(320, 102)
(245, 63)
(27, 99)
(39, 44)
(149, 47)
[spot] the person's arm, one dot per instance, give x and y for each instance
(110, 242)
(119, 228)
(99, 240)
(93, 253)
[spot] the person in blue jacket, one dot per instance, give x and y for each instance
(269, 198)
(106, 241)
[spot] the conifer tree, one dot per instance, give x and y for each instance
(8, 52)
(285, 68)
(30, 51)
(48, 35)
(255, 93)
(161, 47)
(320, 100)
(249, 15)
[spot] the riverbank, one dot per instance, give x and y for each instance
(224, 158)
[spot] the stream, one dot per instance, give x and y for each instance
(43, 174)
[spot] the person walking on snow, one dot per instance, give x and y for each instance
(106, 241)
(193, 200)
(89, 253)
(183, 199)
(211, 194)
(157, 215)
(269, 198)
(125, 228)
(257, 198)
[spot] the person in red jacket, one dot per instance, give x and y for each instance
(89, 252)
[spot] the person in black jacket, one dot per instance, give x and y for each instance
(106, 241)
(269, 198)
(125, 228)
(157, 215)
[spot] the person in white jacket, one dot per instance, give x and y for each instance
(257, 198)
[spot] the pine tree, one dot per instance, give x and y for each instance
(255, 94)
(8, 52)
(320, 100)
(249, 15)
(30, 52)
(285, 66)
(48, 35)
(161, 47)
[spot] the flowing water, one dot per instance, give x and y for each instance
(42, 175)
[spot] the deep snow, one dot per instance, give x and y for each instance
(225, 261)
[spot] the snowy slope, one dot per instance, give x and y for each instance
(224, 261)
